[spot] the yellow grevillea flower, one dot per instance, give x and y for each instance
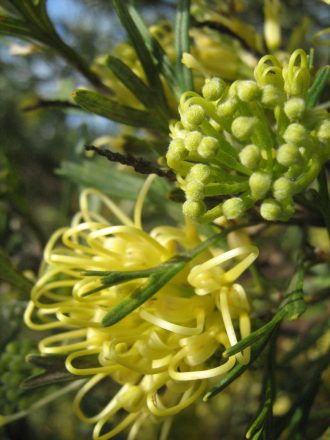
(164, 353)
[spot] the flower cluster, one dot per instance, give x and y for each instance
(165, 352)
(253, 142)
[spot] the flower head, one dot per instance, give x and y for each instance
(162, 354)
(253, 142)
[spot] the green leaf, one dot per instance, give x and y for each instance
(295, 305)
(164, 64)
(155, 282)
(256, 335)
(257, 426)
(54, 371)
(110, 279)
(144, 55)
(291, 307)
(144, 94)
(108, 108)
(12, 276)
(14, 27)
(238, 369)
(103, 177)
(182, 43)
(264, 420)
(157, 279)
(317, 87)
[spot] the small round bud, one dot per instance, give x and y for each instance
(192, 140)
(294, 108)
(208, 147)
(176, 153)
(193, 209)
(243, 126)
(194, 190)
(194, 116)
(250, 156)
(270, 210)
(288, 155)
(213, 89)
(232, 91)
(259, 184)
(177, 148)
(282, 189)
(200, 172)
(247, 90)
(272, 96)
(233, 208)
(227, 108)
(295, 133)
(323, 132)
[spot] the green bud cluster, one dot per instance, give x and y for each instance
(251, 143)
(13, 371)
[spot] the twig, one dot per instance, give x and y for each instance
(139, 164)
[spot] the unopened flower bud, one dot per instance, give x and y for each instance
(200, 172)
(323, 132)
(227, 108)
(177, 148)
(232, 91)
(194, 116)
(272, 96)
(194, 190)
(294, 108)
(288, 155)
(270, 210)
(193, 209)
(295, 133)
(233, 208)
(282, 189)
(247, 90)
(208, 147)
(259, 183)
(176, 153)
(243, 126)
(250, 156)
(192, 140)
(213, 89)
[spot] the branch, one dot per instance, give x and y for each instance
(139, 164)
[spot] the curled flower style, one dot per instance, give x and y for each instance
(164, 353)
(253, 142)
